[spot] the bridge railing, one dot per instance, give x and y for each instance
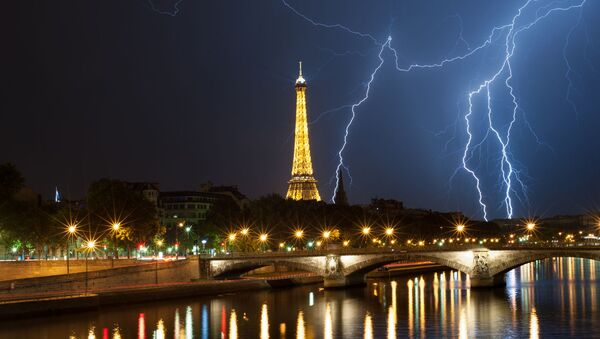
(397, 250)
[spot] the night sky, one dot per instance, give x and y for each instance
(95, 89)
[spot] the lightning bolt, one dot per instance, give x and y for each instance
(334, 26)
(570, 86)
(509, 32)
(506, 166)
(353, 116)
(172, 12)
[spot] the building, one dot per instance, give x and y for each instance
(302, 185)
(386, 206)
(192, 207)
(186, 207)
(150, 190)
(230, 191)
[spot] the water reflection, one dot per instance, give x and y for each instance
(328, 328)
(300, 326)
(368, 326)
(534, 327)
(233, 331)
(264, 322)
(141, 326)
(557, 296)
(116, 332)
(159, 333)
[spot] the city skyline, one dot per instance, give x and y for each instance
(162, 98)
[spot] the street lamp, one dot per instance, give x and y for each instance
(187, 232)
(71, 230)
(460, 228)
(180, 224)
(530, 226)
(203, 245)
(231, 237)
(389, 231)
(89, 247)
(263, 239)
(115, 227)
(299, 235)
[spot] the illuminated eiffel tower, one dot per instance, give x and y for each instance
(303, 185)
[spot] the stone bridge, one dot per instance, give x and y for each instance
(485, 266)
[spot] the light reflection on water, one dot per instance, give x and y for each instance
(545, 298)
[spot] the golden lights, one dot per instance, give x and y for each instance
(303, 185)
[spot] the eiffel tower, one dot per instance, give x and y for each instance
(303, 185)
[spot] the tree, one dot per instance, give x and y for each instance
(114, 202)
(11, 181)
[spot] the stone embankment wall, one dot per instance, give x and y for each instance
(146, 273)
(11, 270)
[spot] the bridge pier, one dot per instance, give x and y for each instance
(481, 276)
(204, 269)
(344, 281)
(487, 281)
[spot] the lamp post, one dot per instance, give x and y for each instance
(177, 240)
(187, 231)
(299, 235)
(115, 229)
(231, 237)
(90, 246)
(159, 243)
(203, 245)
(263, 239)
(71, 230)
(325, 235)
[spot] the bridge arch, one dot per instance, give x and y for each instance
(234, 269)
(515, 261)
(363, 267)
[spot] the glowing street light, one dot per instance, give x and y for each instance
(389, 231)
(326, 234)
(346, 243)
(366, 231)
(71, 230)
(263, 237)
(245, 231)
(90, 246)
(298, 234)
(116, 226)
(231, 236)
(460, 228)
(530, 226)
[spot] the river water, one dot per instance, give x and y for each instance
(549, 298)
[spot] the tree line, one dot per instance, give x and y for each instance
(32, 228)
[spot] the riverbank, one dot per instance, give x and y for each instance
(52, 302)
(46, 304)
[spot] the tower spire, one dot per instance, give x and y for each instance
(302, 185)
(300, 80)
(340, 197)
